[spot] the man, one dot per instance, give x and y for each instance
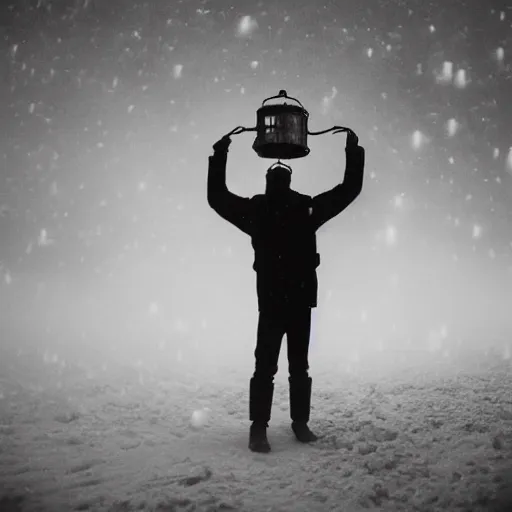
(282, 224)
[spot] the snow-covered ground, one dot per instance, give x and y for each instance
(84, 431)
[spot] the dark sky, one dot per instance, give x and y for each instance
(109, 109)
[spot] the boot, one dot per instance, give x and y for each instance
(302, 432)
(300, 405)
(261, 394)
(258, 441)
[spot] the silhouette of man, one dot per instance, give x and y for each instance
(282, 224)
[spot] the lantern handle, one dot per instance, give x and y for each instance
(283, 94)
(334, 129)
(240, 129)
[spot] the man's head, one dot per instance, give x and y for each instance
(278, 179)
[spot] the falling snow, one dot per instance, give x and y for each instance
(246, 27)
(108, 245)
(452, 126)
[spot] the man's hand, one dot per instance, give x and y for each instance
(352, 140)
(222, 145)
(354, 152)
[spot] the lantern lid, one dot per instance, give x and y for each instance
(274, 110)
(283, 94)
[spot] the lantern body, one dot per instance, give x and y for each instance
(282, 132)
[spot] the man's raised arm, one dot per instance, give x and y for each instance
(329, 204)
(229, 206)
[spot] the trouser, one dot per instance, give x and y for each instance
(273, 324)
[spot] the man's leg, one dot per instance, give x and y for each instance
(271, 329)
(298, 330)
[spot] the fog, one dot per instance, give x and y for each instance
(113, 266)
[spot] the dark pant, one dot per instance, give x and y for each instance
(273, 324)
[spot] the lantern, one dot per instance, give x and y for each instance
(282, 130)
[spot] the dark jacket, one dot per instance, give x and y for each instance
(283, 233)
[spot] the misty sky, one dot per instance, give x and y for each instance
(109, 109)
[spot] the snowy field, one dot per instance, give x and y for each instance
(121, 290)
(84, 431)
